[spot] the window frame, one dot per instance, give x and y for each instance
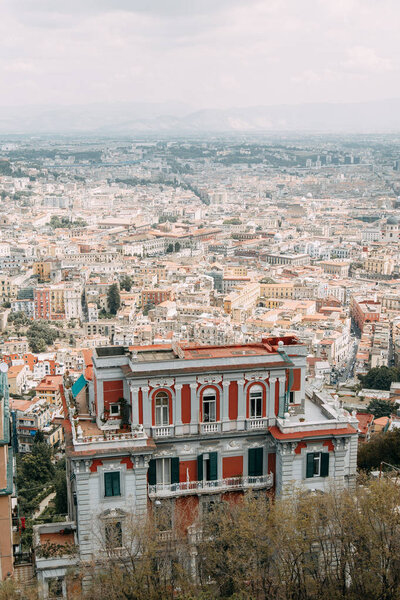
(317, 464)
(209, 397)
(163, 471)
(118, 407)
(108, 475)
(119, 535)
(161, 411)
(256, 389)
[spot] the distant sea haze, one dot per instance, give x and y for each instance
(175, 118)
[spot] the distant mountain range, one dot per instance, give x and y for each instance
(174, 118)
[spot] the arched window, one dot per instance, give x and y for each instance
(162, 408)
(209, 405)
(256, 401)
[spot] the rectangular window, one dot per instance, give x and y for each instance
(255, 464)
(112, 485)
(207, 467)
(163, 470)
(291, 398)
(317, 464)
(114, 409)
(209, 408)
(113, 534)
(256, 400)
(55, 588)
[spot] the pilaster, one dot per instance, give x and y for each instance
(135, 405)
(194, 409)
(178, 404)
(241, 419)
(146, 406)
(271, 398)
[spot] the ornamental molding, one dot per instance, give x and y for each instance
(257, 376)
(187, 449)
(157, 383)
(233, 445)
(204, 379)
(286, 448)
(162, 453)
(113, 513)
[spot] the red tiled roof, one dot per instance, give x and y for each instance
(299, 435)
(364, 420)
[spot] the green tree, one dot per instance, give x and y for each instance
(37, 344)
(60, 484)
(380, 408)
(126, 283)
(40, 335)
(113, 298)
(383, 447)
(380, 378)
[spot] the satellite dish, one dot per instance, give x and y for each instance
(3, 367)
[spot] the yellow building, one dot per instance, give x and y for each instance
(242, 300)
(382, 265)
(276, 290)
(49, 389)
(42, 269)
(8, 289)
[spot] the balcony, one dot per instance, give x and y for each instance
(210, 427)
(162, 431)
(256, 423)
(184, 488)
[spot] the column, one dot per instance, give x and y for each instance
(178, 405)
(284, 468)
(147, 422)
(337, 471)
(135, 406)
(177, 416)
(194, 409)
(282, 383)
(271, 400)
(224, 407)
(241, 420)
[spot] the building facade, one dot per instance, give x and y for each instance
(178, 427)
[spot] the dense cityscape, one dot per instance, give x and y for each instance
(186, 321)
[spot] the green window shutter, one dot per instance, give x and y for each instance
(116, 485)
(200, 467)
(310, 465)
(251, 462)
(108, 484)
(213, 466)
(324, 464)
(255, 462)
(152, 472)
(174, 470)
(259, 453)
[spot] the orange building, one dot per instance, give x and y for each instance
(365, 311)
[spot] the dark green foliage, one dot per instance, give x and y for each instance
(380, 378)
(126, 283)
(164, 219)
(40, 335)
(60, 484)
(232, 221)
(380, 408)
(113, 298)
(382, 447)
(63, 222)
(34, 472)
(18, 318)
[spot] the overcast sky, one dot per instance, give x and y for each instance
(206, 53)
